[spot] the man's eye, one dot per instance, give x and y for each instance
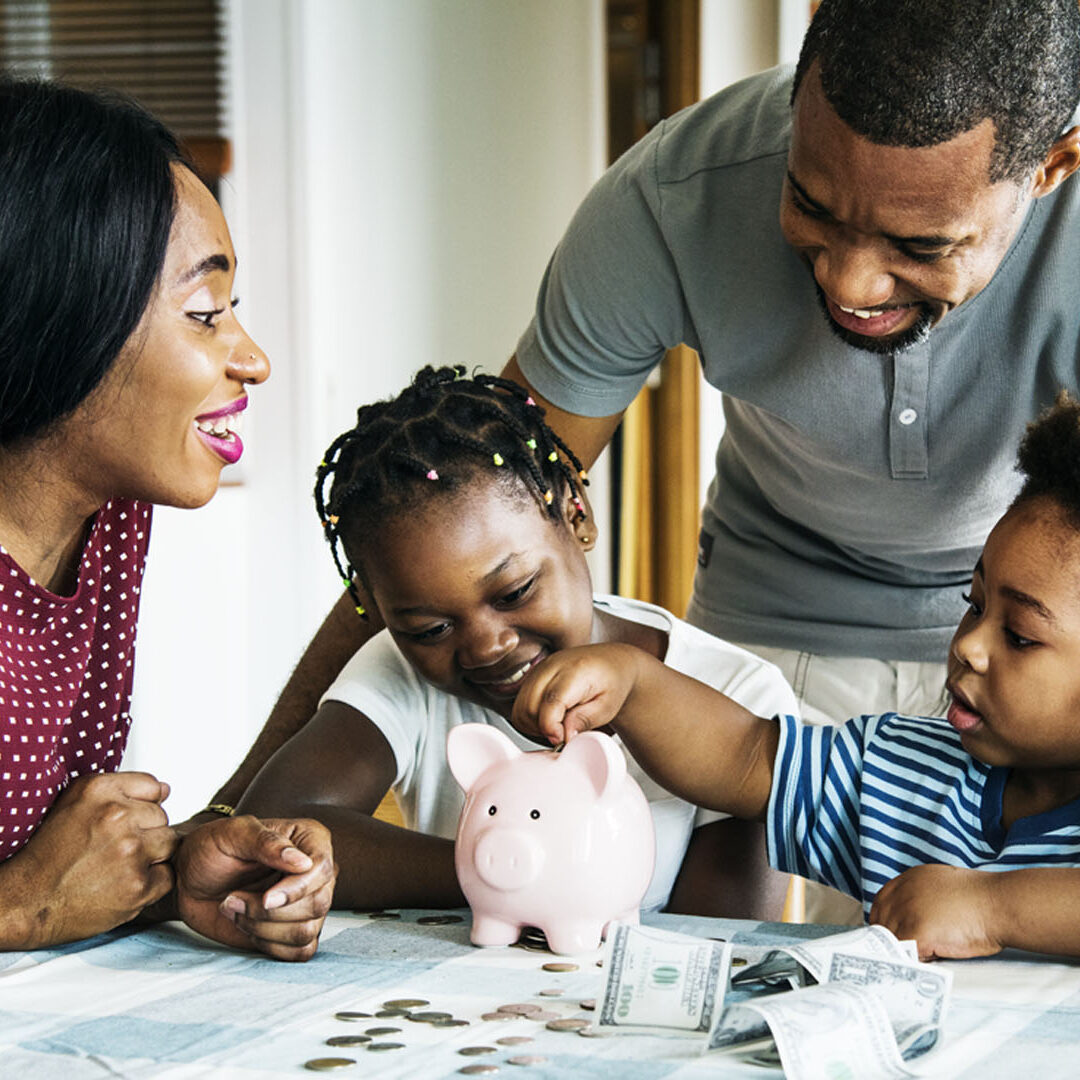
(806, 209)
(923, 255)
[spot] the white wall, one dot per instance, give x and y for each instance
(402, 172)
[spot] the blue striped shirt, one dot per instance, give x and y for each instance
(856, 805)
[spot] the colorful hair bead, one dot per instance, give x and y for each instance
(360, 610)
(346, 582)
(583, 474)
(432, 474)
(548, 496)
(497, 458)
(333, 519)
(529, 400)
(553, 456)
(530, 443)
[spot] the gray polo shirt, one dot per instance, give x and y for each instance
(853, 492)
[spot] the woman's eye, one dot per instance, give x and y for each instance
(1016, 641)
(206, 317)
(519, 593)
(974, 607)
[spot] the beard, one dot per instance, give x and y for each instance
(915, 334)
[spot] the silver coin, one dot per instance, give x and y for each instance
(559, 965)
(379, 1047)
(476, 1051)
(594, 1031)
(439, 920)
(388, 1014)
(351, 1016)
(405, 1004)
(328, 1063)
(429, 1017)
(348, 1040)
(501, 1016)
(382, 1031)
(521, 1008)
(451, 1021)
(514, 1040)
(555, 991)
(544, 1015)
(384, 914)
(567, 1023)
(588, 1003)
(526, 1059)
(478, 1070)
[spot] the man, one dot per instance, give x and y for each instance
(874, 258)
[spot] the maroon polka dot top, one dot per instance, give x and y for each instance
(66, 670)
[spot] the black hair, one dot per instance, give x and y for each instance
(1049, 458)
(438, 435)
(921, 72)
(87, 200)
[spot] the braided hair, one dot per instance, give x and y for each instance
(435, 437)
(1049, 457)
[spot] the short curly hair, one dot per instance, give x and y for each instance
(1049, 457)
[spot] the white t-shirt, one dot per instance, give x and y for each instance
(415, 719)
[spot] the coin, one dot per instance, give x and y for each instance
(348, 1040)
(567, 1023)
(514, 1040)
(476, 1051)
(378, 1047)
(452, 1021)
(428, 1017)
(738, 961)
(352, 1016)
(405, 1004)
(501, 1016)
(439, 920)
(559, 965)
(594, 1031)
(382, 1031)
(384, 914)
(386, 1014)
(555, 991)
(526, 1059)
(521, 1008)
(588, 1003)
(328, 1063)
(543, 1014)
(479, 1070)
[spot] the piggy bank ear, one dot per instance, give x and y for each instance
(471, 749)
(599, 758)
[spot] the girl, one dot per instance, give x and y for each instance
(464, 521)
(123, 375)
(906, 814)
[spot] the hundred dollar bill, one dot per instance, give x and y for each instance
(661, 982)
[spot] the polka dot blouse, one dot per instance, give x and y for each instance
(66, 670)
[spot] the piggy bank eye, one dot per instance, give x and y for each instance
(492, 810)
(534, 814)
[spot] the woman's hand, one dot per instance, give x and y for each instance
(575, 690)
(948, 910)
(100, 855)
(257, 884)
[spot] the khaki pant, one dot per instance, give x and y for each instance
(830, 690)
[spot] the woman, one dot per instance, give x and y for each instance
(123, 375)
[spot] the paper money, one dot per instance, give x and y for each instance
(662, 983)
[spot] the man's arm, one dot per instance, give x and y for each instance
(337, 770)
(341, 634)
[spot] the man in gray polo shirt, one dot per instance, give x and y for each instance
(881, 275)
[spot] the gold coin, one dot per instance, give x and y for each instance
(352, 1016)
(559, 965)
(476, 1051)
(478, 1070)
(328, 1063)
(348, 1040)
(377, 1047)
(405, 1004)
(514, 1040)
(382, 1031)
(567, 1023)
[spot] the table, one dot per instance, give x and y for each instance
(163, 1002)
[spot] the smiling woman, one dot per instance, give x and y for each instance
(123, 374)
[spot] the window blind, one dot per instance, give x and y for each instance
(168, 54)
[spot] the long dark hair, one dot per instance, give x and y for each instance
(86, 203)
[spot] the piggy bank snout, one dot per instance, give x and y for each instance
(508, 859)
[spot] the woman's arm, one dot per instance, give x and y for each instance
(337, 769)
(690, 738)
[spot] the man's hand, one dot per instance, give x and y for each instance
(257, 884)
(947, 910)
(98, 858)
(575, 690)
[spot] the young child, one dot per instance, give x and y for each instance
(463, 517)
(907, 814)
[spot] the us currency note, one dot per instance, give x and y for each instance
(661, 982)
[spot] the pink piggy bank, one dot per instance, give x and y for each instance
(560, 841)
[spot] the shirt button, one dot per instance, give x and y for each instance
(908, 416)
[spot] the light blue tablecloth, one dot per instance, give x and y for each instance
(164, 1003)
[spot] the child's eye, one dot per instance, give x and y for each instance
(518, 594)
(1016, 641)
(428, 634)
(975, 608)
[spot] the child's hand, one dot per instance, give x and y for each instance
(948, 910)
(575, 690)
